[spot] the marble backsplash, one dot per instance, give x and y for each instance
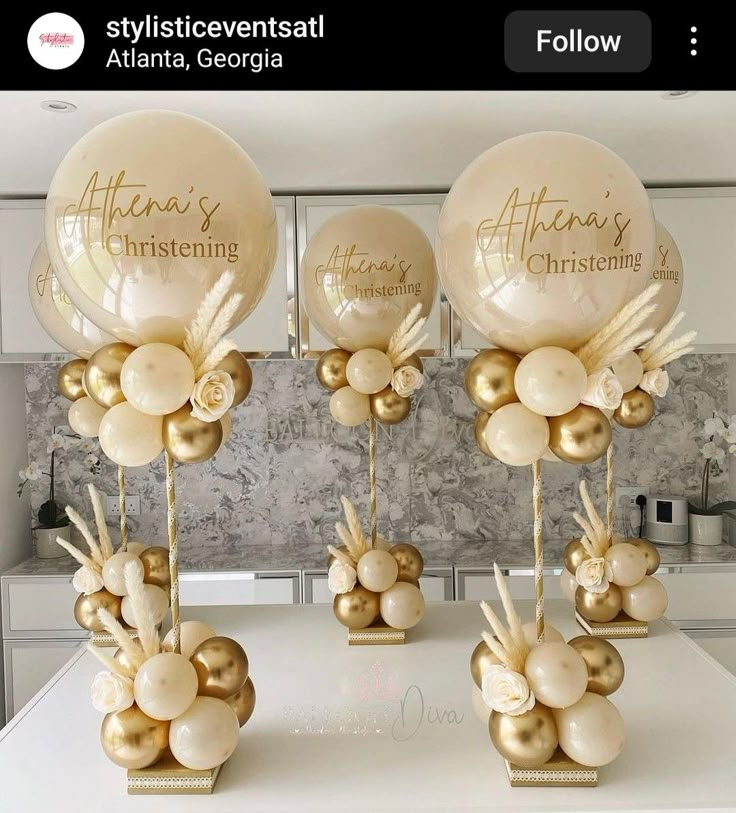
(279, 479)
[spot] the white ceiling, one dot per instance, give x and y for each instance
(309, 141)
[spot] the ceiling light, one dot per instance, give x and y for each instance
(57, 106)
(677, 94)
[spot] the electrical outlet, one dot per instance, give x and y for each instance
(631, 494)
(629, 516)
(132, 505)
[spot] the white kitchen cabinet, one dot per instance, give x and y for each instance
(479, 584)
(39, 607)
(424, 210)
(719, 644)
(238, 588)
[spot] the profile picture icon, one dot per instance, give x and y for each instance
(55, 41)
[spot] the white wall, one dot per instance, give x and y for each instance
(15, 532)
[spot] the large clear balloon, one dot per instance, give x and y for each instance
(667, 270)
(544, 238)
(146, 212)
(57, 314)
(361, 274)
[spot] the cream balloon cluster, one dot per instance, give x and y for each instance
(373, 382)
(100, 580)
(191, 702)
(541, 696)
(142, 400)
(606, 576)
(374, 584)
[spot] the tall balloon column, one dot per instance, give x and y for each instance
(367, 279)
(162, 233)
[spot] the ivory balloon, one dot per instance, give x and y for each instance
(629, 370)
(409, 560)
(145, 214)
(155, 561)
(113, 571)
(243, 702)
(331, 369)
(557, 674)
(402, 606)
(645, 601)
(221, 666)
(551, 634)
(581, 435)
(599, 607)
(668, 271)
(58, 316)
(69, 380)
(651, 554)
(236, 364)
(516, 435)
(188, 439)
(191, 635)
(569, 585)
(550, 381)
(158, 603)
(637, 408)
(543, 239)
(137, 548)
(574, 555)
(479, 430)
(362, 272)
(350, 407)
(205, 735)
(357, 609)
(480, 660)
(628, 563)
(388, 407)
(157, 378)
(165, 686)
(130, 438)
(603, 661)
(592, 731)
(489, 379)
(377, 570)
(526, 740)
(86, 607)
(102, 374)
(132, 739)
(85, 416)
(369, 371)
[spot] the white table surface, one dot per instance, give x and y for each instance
(327, 732)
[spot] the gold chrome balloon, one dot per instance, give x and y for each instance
(221, 666)
(637, 408)
(413, 361)
(581, 435)
(480, 660)
(605, 664)
(489, 379)
(526, 740)
(86, 607)
(331, 367)
(357, 609)
(479, 429)
(237, 365)
(651, 554)
(156, 566)
(132, 739)
(599, 607)
(410, 561)
(333, 559)
(388, 407)
(574, 555)
(69, 380)
(243, 702)
(189, 440)
(102, 374)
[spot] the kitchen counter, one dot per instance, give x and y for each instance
(330, 732)
(466, 553)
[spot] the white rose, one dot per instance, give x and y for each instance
(406, 380)
(655, 382)
(603, 390)
(212, 396)
(506, 691)
(594, 575)
(341, 578)
(111, 692)
(86, 580)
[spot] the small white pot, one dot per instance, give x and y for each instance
(705, 529)
(45, 542)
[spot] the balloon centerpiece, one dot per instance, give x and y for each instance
(611, 580)
(546, 701)
(375, 584)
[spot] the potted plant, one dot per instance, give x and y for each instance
(52, 518)
(706, 521)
